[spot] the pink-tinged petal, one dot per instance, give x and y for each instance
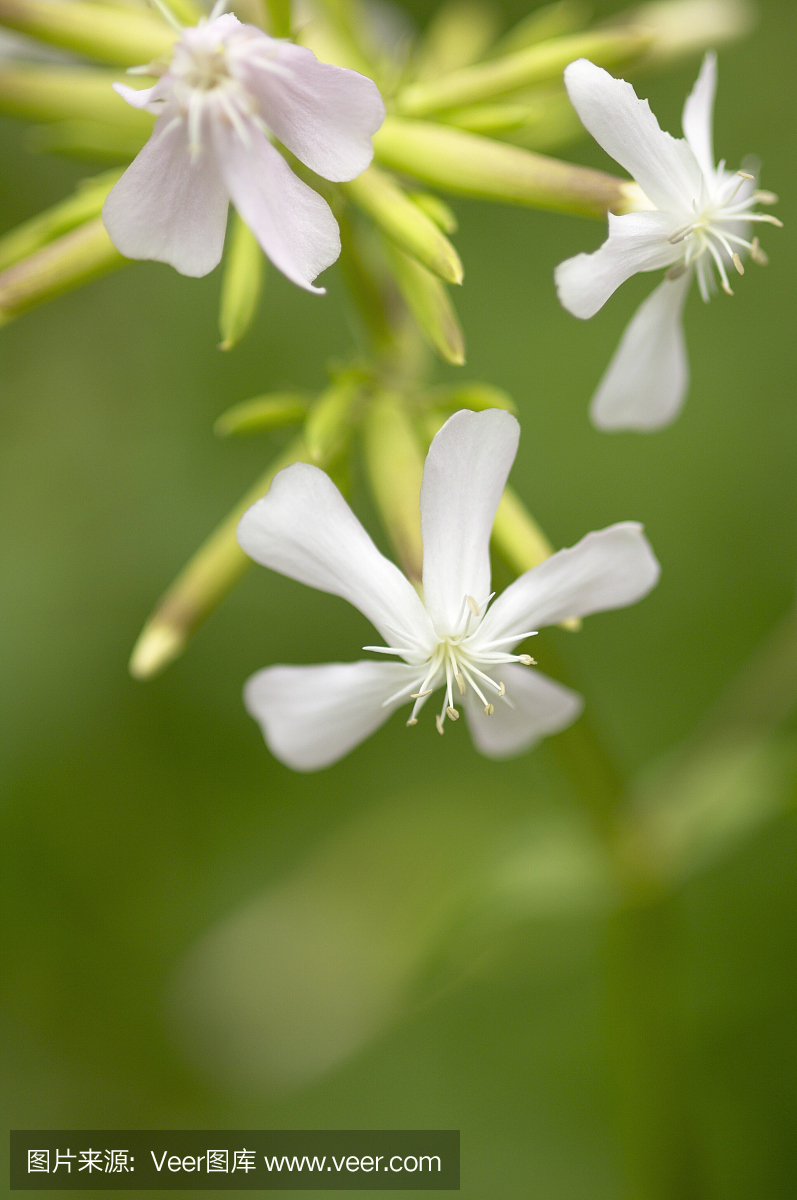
(698, 115)
(325, 115)
(605, 570)
(313, 716)
(647, 379)
(168, 206)
(141, 97)
(292, 223)
(304, 528)
(541, 707)
(465, 473)
(663, 166)
(636, 242)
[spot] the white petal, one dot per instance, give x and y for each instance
(304, 528)
(325, 115)
(293, 224)
(312, 716)
(541, 707)
(646, 381)
(167, 207)
(636, 242)
(605, 570)
(663, 166)
(698, 115)
(463, 478)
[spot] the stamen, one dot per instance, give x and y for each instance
(527, 660)
(680, 234)
(737, 262)
(757, 254)
(489, 709)
(764, 197)
(460, 683)
(501, 689)
(452, 712)
(411, 721)
(439, 723)
(419, 695)
(745, 175)
(677, 271)
(715, 254)
(472, 605)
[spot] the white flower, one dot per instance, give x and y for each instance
(227, 88)
(696, 222)
(311, 716)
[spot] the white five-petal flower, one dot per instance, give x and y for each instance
(227, 89)
(697, 222)
(313, 715)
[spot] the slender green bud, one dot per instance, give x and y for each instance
(551, 122)
(127, 36)
(63, 264)
(551, 21)
(475, 396)
(405, 223)
(262, 413)
(329, 422)
(53, 222)
(443, 216)
(521, 543)
(279, 18)
(241, 283)
(205, 580)
(55, 93)
(428, 301)
(394, 464)
(458, 34)
(543, 63)
(457, 161)
(186, 12)
(88, 140)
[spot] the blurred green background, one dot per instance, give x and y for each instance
(197, 937)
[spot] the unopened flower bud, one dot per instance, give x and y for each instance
(241, 283)
(329, 421)
(262, 413)
(126, 36)
(405, 223)
(427, 299)
(394, 463)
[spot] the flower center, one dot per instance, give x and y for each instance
(206, 69)
(712, 238)
(457, 662)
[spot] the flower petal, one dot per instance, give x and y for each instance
(325, 115)
(646, 381)
(698, 115)
(663, 166)
(168, 206)
(141, 97)
(540, 707)
(312, 716)
(463, 478)
(304, 528)
(292, 223)
(636, 242)
(605, 570)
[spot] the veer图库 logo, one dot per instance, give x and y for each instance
(255, 1160)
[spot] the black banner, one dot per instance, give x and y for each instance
(235, 1159)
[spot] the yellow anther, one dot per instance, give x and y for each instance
(489, 709)
(412, 721)
(472, 605)
(501, 688)
(452, 712)
(737, 262)
(460, 683)
(439, 723)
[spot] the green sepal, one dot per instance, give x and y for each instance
(328, 425)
